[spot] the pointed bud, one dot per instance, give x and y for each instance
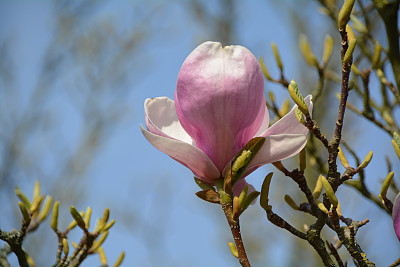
(23, 198)
(321, 206)
(100, 241)
(46, 208)
(305, 49)
(102, 256)
(241, 160)
(243, 195)
(297, 97)
(339, 210)
(358, 25)
(355, 70)
(329, 191)
(88, 215)
(344, 14)
(30, 261)
(396, 143)
(36, 204)
(342, 158)
(54, 216)
(318, 188)
(265, 70)
(78, 218)
(366, 160)
(74, 244)
(233, 249)
(236, 208)
(65, 246)
(265, 191)
(328, 46)
(277, 56)
(36, 190)
(385, 185)
(203, 185)
(291, 202)
(249, 199)
(271, 96)
(102, 222)
(299, 116)
(24, 212)
(119, 260)
(377, 55)
(109, 225)
(279, 166)
(352, 44)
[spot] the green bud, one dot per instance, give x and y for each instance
(102, 222)
(385, 185)
(265, 70)
(46, 208)
(102, 256)
(377, 55)
(366, 160)
(241, 160)
(65, 246)
(203, 185)
(100, 241)
(265, 191)
(297, 97)
(277, 56)
(358, 25)
(396, 143)
(88, 215)
(119, 260)
(328, 46)
(355, 70)
(243, 195)
(36, 204)
(305, 49)
(24, 212)
(109, 225)
(299, 116)
(23, 198)
(36, 190)
(291, 202)
(74, 244)
(344, 14)
(209, 196)
(321, 206)
(54, 217)
(342, 158)
(78, 218)
(271, 96)
(249, 199)
(329, 191)
(352, 44)
(318, 188)
(233, 249)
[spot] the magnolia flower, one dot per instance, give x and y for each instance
(219, 106)
(396, 215)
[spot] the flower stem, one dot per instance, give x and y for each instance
(235, 228)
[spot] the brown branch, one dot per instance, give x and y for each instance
(235, 229)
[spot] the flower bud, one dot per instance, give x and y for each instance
(358, 25)
(396, 143)
(265, 191)
(318, 188)
(119, 260)
(328, 46)
(352, 44)
(297, 97)
(277, 56)
(100, 241)
(265, 70)
(233, 249)
(46, 208)
(78, 218)
(385, 185)
(329, 191)
(377, 55)
(342, 158)
(88, 215)
(344, 14)
(65, 246)
(54, 217)
(291, 202)
(23, 198)
(366, 160)
(24, 212)
(305, 49)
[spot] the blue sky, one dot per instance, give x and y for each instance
(149, 189)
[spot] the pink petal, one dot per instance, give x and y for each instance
(161, 119)
(396, 216)
(186, 154)
(220, 99)
(289, 123)
(277, 147)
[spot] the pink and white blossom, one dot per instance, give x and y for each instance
(219, 106)
(396, 216)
